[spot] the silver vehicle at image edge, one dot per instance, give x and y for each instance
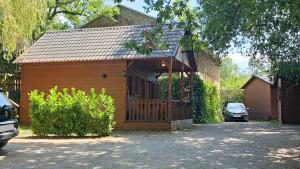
(8, 124)
(236, 112)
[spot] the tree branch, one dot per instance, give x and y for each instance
(52, 12)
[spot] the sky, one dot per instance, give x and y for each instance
(237, 58)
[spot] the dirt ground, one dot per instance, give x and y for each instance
(225, 145)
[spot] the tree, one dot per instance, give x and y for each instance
(228, 68)
(231, 82)
(269, 28)
(259, 66)
(79, 12)
(176, 13)
(24, 21)
(18, 19)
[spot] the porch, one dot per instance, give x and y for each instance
(144, 104)
(155, 110)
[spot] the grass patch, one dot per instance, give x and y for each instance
(275, 122)
(24, 130)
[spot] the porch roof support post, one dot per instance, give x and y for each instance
(170, 89)
(181, 82)
(191, 84)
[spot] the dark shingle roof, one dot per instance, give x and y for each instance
(96, 44)
(262, 78)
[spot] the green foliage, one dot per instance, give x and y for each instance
(228, 69)
(259, 66)
(211, 113)
(24, 21)
(269, 29)
(205, 99)
(18, 19)
(231, 82)
(9, 72)
(79, 12)
(231, 96)
(71, 112)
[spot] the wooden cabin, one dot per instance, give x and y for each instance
(257, 97)
(97, 58)
(269, 100)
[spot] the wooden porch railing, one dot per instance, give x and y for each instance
(181, 110)
(147, 110)
(156, 110)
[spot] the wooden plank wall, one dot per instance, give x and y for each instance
(81, 75)
(290, 105)
(257, 97)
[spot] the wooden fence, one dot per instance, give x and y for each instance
(181, 110)
(157, 110)
(147, 110)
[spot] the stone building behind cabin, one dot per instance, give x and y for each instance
(127, 16)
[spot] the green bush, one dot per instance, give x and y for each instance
(71, 112)
(205, 99)
(211, 105)
(231, 95)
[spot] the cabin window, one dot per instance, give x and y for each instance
(142, 89)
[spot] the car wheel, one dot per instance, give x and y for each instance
(2, 144)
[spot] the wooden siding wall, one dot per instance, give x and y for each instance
(257, 97)
(207, 69)
(81, 75)
(290, 105)
(274, 102)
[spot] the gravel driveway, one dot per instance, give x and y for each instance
(225, 145)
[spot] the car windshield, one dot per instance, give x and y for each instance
(235, 106)
(4, 100)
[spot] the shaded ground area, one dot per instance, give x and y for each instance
(225, 145)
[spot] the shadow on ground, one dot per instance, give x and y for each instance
(225, 145)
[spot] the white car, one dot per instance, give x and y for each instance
(236, 112)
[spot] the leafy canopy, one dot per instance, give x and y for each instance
(24, 21)
(231, 82)
(231, 77)
(269, 29)
(18, 19)
(79, 12)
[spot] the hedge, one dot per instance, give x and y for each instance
(205, 99)
(71, 112)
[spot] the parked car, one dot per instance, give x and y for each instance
(236, 111)
(8, 124)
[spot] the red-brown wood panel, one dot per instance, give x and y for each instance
(290, 105)
(81, 75)
(257, 97)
